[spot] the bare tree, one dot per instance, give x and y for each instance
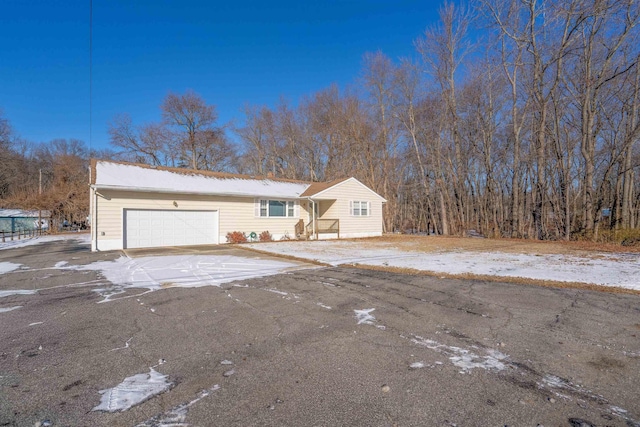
(443, 48)
(604, 28)
(507, 17)
(190, 116)
(146, 145)
(5, 131)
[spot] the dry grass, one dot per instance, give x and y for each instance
(504, 279)
(427, 244)
(514, 246)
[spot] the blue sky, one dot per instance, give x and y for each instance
(231, 53)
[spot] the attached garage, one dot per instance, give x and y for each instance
(146, 228)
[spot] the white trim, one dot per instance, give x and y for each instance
(92, 213)
(123, 226)
(315, 196)
(334, 236)
(222, 193)
(200, 193)
(108, 244)
(360, 202)
(258, 207)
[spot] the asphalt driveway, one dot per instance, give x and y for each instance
(310, 346)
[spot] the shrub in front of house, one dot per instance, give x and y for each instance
(236, 237)
(265, 236)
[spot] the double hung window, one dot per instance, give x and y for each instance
(360, 208)
(276, 208)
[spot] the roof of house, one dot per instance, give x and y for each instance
(19, 213)
(140, 177)
(317, 187)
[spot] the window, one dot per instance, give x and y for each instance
(276, 208)
(359, 208)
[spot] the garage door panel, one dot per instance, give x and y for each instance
(157, 228)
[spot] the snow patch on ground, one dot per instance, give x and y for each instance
(417, 365)
(133, 391)
(607, 269)
(556, 382)
(10, 292)
(82, 238)
(465, 359)
(365, 317)
(6, 266)
(8, 309)
(177, 416)
(323, 305)
(186, 271)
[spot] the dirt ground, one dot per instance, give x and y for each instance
(324, 346)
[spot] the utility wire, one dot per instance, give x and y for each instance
(90, 75)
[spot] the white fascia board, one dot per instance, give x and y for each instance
(315, 196)
(200, 193)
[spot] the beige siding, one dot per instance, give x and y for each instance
(352, 226)
(235, 213)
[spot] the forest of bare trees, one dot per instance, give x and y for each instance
(49, 176)
(519, 118)
(514, 118)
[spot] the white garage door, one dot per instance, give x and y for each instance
(153, 228)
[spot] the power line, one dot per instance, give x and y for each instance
(90, 75)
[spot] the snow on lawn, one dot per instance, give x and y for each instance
(618, 270)
(187, 271)
(83, 238)
(133, 391)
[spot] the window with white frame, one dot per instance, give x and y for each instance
(360, 208)
(276, 208)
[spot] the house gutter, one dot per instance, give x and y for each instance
(98, 187)
(94, 217)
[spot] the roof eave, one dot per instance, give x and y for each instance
(99, 187)
(315, 196)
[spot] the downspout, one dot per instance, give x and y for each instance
(94, 221)
(313, 218)
(92, 214)
(313, 215)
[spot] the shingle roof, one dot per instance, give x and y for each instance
(317, 187)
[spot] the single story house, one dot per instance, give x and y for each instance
(13, 220)
(137, 206)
